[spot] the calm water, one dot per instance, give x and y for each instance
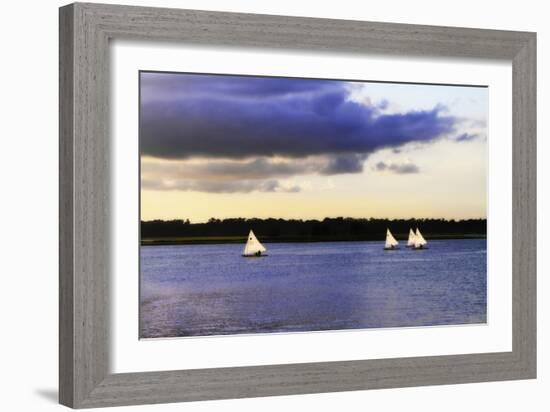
(193, 290)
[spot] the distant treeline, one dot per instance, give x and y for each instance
(282, 230)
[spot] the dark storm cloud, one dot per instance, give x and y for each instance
(176, 86)
(184, 116)
(397, 168)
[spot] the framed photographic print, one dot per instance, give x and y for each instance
(297, 165)
(260, 205)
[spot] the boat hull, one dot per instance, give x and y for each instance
(254, 256)
(391, 248)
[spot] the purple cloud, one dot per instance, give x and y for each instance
(184, 116)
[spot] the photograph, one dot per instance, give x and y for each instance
(293, 205)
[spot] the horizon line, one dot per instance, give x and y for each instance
(313, 219)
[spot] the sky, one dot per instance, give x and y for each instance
(227, 146)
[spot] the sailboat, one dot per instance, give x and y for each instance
(419, 241)
(253, 247)
(391, 243)
(410, 242)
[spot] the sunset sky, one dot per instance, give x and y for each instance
(236, 146)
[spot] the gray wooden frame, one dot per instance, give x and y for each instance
(85, 31)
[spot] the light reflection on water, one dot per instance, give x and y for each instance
(198, 290)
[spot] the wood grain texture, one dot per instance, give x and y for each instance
(66, 108)
(85, 31)
(524, 225)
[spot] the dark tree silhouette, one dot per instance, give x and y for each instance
(282, 230)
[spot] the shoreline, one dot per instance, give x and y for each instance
(213, 240)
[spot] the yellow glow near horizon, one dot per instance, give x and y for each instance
(451, 184)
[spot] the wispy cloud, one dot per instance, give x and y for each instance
(466, 137)
(397, 168)
(227, 175)
(213, 186)
(258, 168)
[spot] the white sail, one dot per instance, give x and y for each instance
(391, 243)
(253, 246)
(419, 240)
(410, 242)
